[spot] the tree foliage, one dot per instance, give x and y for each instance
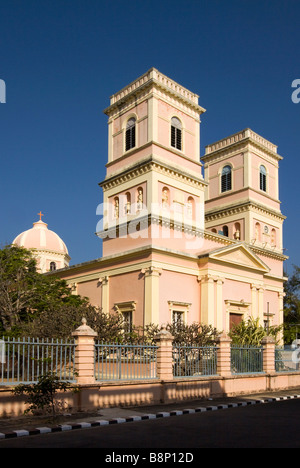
(250, 332)
(61, 321)
(25, 293)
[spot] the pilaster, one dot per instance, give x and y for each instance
(151, 307)
(104, 281)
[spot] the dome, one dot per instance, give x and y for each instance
(49, 248)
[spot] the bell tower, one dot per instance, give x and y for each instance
(242, 198)
(153, 192)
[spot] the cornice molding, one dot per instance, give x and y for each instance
(146, 221)
(153, 79)
(241, 139)
(147, 165)
(241, 208)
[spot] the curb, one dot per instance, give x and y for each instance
(162, 414)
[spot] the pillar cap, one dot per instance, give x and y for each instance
(84, 330)
(268, 340)
(164, 334)
(224, 338)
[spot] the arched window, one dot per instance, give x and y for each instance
(225, 231)
(176, 133)
(226, 179)
(52, 266)
(190, 207)
(130, 134)
(257, 232)
(263, 178)
(273, 238)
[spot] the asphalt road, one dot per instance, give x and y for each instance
(268, 425)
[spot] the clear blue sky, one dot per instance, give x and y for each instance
(62, 59)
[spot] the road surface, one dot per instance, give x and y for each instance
(267, 425)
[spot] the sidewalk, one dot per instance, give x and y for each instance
(30, 425)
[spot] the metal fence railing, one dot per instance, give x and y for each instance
(246, 359)
(125, 362)
(24, 360)
(193, 361)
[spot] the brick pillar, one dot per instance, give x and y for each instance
(164, 341)
(85, 353)
(268, 344)
(224, 355)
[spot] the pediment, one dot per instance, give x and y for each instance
(239, 255)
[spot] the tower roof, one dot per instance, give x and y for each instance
(39, 237)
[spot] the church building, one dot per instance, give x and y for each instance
(185, 237)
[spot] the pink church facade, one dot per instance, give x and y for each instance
(184, 237)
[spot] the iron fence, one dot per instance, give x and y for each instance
(24, 360)
(193, 361)
(246, 359)
(125, 361)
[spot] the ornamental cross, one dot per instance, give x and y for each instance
(40, 215)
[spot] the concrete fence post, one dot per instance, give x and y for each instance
(223, 355)
(268, 344)
(85, 353)
(164, 342)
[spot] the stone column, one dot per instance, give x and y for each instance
(268, 344)
(224, 355)
(85, 353)
(220, 325)
(208, 299)
(261, 305)
(164, 341)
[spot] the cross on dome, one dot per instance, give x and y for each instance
(40, 214)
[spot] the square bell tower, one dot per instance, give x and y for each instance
(153, 192)
(242, 198)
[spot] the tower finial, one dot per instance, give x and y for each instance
(40, 215)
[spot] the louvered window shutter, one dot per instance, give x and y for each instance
(130, 134)
(176, 134)
(226, 179)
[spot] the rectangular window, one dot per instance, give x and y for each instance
(177, 317)
(127, 316)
